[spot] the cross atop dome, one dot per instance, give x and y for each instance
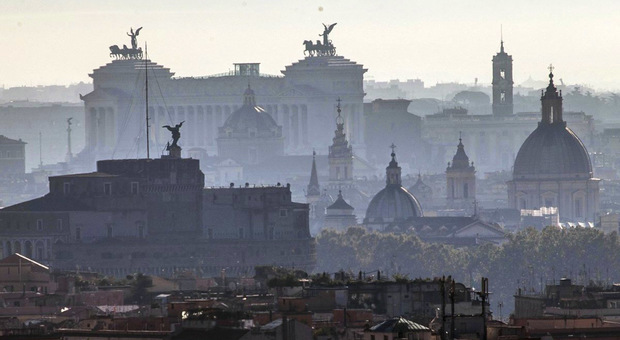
(393, 163)
(339, 119)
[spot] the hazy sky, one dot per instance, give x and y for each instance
(60, 42)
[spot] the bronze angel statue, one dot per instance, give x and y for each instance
(134, 37)
(326, 31)
(176, 134)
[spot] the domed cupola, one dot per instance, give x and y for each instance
(250, 120)
(250, 135)
(553, 169)
(394, 204)
(552, 150)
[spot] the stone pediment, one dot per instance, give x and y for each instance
(479, 229)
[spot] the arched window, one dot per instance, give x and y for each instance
(578, 207)
(39, 250)
(28, 249)
(17, 247)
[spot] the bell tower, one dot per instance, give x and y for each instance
(340, 157)
(502, 82)
(461, 180)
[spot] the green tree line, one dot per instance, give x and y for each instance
(528, 260)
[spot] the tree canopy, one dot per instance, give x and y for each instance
(529, 260)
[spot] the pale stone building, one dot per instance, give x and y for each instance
(301, 101)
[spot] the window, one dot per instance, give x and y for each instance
(135, 188)
(502, 97)
(107, 189)
(241, 233)
(59, 224)
(39, 224)
(452, 193)
(551, 115)
(283, 212)
(140, 230)
(110, 231)
(78, 233)
(66, 188)
(465, 190)
(578, 208)
(523, 204)
(502, 73)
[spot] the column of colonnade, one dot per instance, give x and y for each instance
(101, 128)
(201, 124)
(294, 121)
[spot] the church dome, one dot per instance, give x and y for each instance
(250, 120)
(393, 203)
(552, 150)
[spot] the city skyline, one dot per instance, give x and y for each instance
(434, 41)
